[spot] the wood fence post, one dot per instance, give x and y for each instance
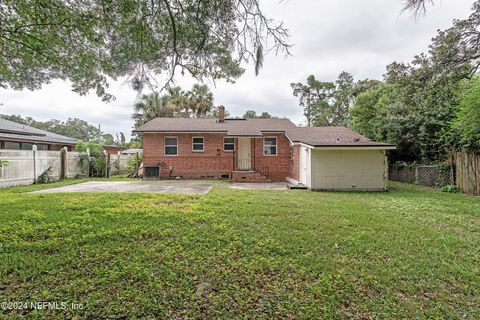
(63, 163)
(108, 165)
(88, 163)
(416, 175)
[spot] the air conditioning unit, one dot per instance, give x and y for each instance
(151, 172)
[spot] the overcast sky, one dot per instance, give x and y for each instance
(329, 36)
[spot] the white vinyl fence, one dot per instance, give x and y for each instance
(25, 166)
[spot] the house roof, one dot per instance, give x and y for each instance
(232, 127)
(14, 131)
(331, 137)
(315, 137)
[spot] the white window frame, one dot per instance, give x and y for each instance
(165, 146)
(276, 147)
(203, 143)
(228, 143)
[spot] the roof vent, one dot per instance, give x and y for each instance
(356, 139)
(338, 140)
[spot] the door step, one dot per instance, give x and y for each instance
(297, 187)
(249, 176)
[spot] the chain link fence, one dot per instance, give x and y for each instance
(430, 176)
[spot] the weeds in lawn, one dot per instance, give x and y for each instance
(412, 253)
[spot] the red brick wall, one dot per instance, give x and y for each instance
(279, 165)
(295, 162)
(213, 162)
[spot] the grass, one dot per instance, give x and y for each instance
(409, 253)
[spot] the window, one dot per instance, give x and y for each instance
(171, 146)
(228, 144)
(42, 147)
(270, 146)
(11, 145)
(27, 146)
(197, 144)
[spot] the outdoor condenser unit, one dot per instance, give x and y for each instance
(151, 172)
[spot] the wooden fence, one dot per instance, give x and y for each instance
(468, 173)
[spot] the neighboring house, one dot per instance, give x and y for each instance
(18, 136)
(132, 151)
(112, 149)
(263, 150)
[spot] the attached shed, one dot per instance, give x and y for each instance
(336, 158)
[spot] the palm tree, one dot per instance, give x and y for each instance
(200, 100)
(178, 100)
(152, 106)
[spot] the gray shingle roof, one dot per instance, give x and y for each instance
(316, 137)
(331, 137)
(232, 127)
(10, 130)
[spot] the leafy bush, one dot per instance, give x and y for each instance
(4, 163)
(465, 128)
(95, 165)
(134, 164)
(450, 188)
(90, 145)
(45, 177)
(404, 165)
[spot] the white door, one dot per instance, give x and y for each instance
(244, 154)
(304, 167)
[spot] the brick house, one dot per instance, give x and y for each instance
(258, 150)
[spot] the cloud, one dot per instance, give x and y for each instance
(329, 36)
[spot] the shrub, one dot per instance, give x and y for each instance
(90, 145)
(45, 177)
(4, 163)
(134, 164)
(450, 188)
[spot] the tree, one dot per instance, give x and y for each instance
(455, 50)
(418, 7)
(122, 141)
(250, 114)
(153, 105)
(313, 98)
(92, 146)
(107, 139)
(200, 100)
(94, 40)
(326, 103)
(343, 98)
(464, 131)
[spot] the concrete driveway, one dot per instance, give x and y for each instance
(200, 187)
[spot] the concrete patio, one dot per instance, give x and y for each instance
(194, 187)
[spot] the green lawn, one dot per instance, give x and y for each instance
(409, 253)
